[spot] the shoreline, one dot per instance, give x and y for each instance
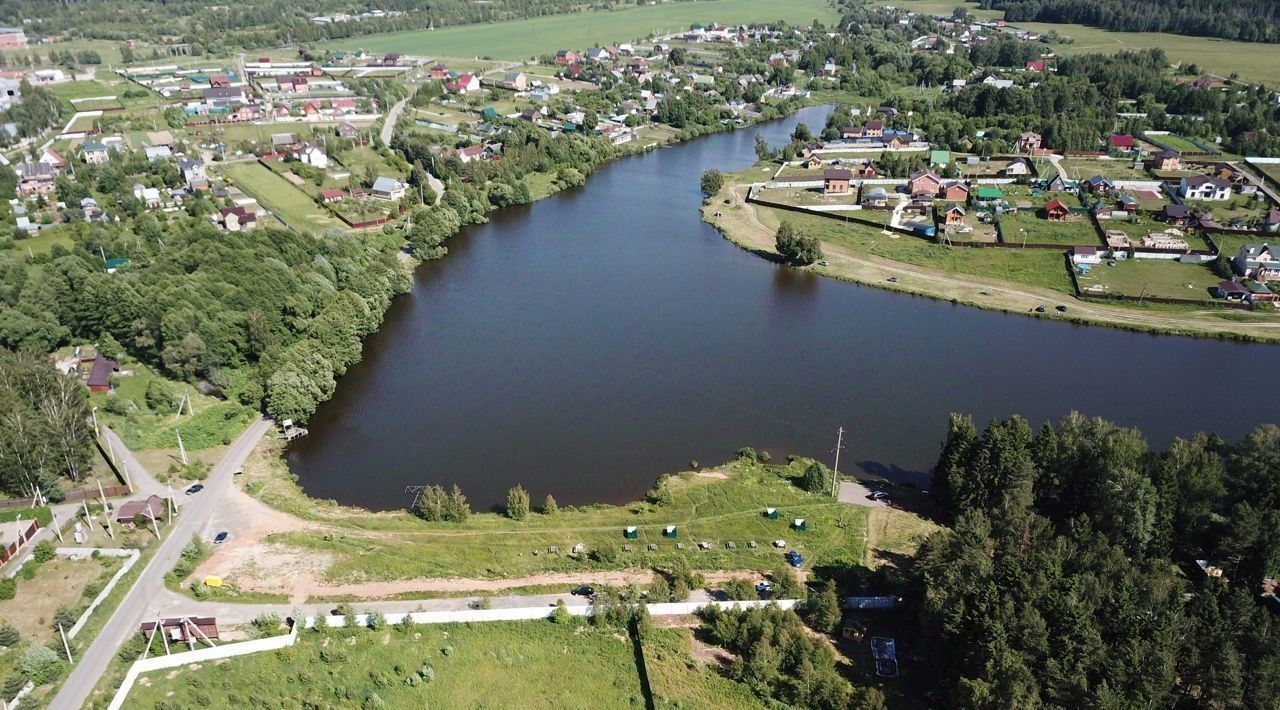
(752, 234)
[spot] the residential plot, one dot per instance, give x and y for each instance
(1138, 228)
(278, 195)
(1028, 228)
(1115, 169)
(1155, 278)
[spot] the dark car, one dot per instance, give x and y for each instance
(221, 537)
(195, 489)
(1061, 309)
(795, 559)
(583, 591)
(1039, 309)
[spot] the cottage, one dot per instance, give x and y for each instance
(160, 138)
(311, 155)
(1167, 160)
(463, 84)
(867, 171)
(1127, 203)
(193, 173)
(955, 191)
(149, 196)
(470, 153)
(953, 216)
(100, 373)
(157, 152)
(1121, 143)
(1056, 210)
(1258, 262)
(347, 130)
(566, 57)
(144, 511)
(1099, 185)
(1059, 184)
(1085, 255)
(924, 183)
(989, 194)
(439, 71)
(332, 195)
(237, 219)
(1175, 214)
(223, 96)
(291, 84)
(939, 157)
(1231, 291)
(835, 181)
(1202, 187)
(281, 141)
(36, 178)
(1035, 65)
(516, 81)
(1029, 142)
(94, 153)
(1016, 168)
(385, 188)
(873, 129)
(875, 197)
(814, 161)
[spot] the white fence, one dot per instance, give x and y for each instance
(273, 643)
(131, 559)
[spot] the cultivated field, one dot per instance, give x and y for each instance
(522, 39)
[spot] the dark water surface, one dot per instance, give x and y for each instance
(588, 343)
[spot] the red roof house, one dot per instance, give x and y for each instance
(1056, 210)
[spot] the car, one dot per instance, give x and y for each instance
(764, 586)
(879, 495)
(824, 263)
(1061, 309)
(195, 489)
(1039, 309)
(585, 590)
(795, 559)
(239, 471)
(893, 279)
(221, 537)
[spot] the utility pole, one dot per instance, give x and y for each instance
(94, 413)
(111, 449)
(106, 512)
(181, 449)
(169, 505)
(835, 472)
(65, 646)
(57, 529)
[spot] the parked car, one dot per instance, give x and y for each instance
(1061, 309)
(221, 537)
(879, 495)
(795, 559)
(239, 471)
(585, 590)
(195, 489)
(764, 586)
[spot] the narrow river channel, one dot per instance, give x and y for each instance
(588, 343)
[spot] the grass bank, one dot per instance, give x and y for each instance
(1008, 280)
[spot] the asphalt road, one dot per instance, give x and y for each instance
(93, 661)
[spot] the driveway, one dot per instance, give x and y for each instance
(856, 493)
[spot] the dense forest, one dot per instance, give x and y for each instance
(1069, 575)
(45, 435)
(1246, 20)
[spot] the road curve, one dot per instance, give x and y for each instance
(124, 622)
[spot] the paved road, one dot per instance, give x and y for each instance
(124, 622)
(389, 125)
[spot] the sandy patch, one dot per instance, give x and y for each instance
(711, 474)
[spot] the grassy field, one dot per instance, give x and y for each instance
(43, 242)
(58, 582)
(1034, 229)
(1157, 278)
(1173, 141)
(276, 194)
(501, 664)
(1084, 168)
(522, 39)
(81, 90)
(214, 423)
(718, 506)
(1137, 229)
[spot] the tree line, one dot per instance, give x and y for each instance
(1244, 20)
(1068, 577)
(45, 434)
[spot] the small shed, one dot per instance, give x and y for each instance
(631, 533)
(669, 531)
(771, 513)
(799, 524)
(150, 509)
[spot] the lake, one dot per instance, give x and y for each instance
(588, 343)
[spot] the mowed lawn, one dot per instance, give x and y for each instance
(1156, 278)
(283, 199)
(521, 39)
(530, 664)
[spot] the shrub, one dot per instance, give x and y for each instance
(375, 620)
(517, 503)
(13, 685)
(605, 553)
(9, 636)
(8, 588)
(29, 570)
(739, 589)
(91, 589)
(160, 397)
(266, 623)
(746, 453)
(39, 664)
(816, 479)
(43, 551)
(64, 617)
(561, 613)
(549, 506)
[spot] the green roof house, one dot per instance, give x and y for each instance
(939, 157)
(989, 194)
(490, 114)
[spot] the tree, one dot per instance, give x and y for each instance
(816, 478)
(823, 608)
(795, 246)
(9, 636)
(517, 503)
(549, 506)
(739, 588)
(712, 182)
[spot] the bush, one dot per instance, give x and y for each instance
(91, 589)
(375, 620)
(160, 397)
(8, 588)
(746, 453)
(797, 247)
(605, 553)
(549, 506)
(816, 479)
(13, 685)
(29, 570)
(561, 613)
(39, 664)
(64, 617)
(9, 636)
(43, 551)
(517, 503)
(739, 589)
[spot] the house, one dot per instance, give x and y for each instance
(1121, 143)
(470, 153)
(1036, 65)
(835, 181)
(1176, 214)
(157, 152)
(35, 178)
(332, 195)
(100, 372)
(1202, 187)
(1271, 221)
(1099, 185)
(385, 188)
(291, 84)
(1016, 168)
(1059, 184)
(989, 194)
(94, 153)
(875, 197)
(939, 157)
(149, 196)
(1085, 255)
(599, 55)
(566, 57)
(1167, 160)
(463, 84)
(955, 191)
(873, 129)
(1029, 142)
(347, 130)
(223, 96)
(953, 216)
(1231, 291)
(237, 219)
(146, 511)
(390, 60)
(516, 80)
(924, 183)
(193, 173)
(868, 171)
(814, 161)
(311, 155)
(439, 71)
(12, 38)
(1056, 210)
(1127, 203)
(1258, 262)
(160, 138)
(283, 141)
(343, 105)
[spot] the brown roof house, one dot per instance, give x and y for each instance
(835, 181)
(1056, 210)
(100, 373)
(145, 511)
